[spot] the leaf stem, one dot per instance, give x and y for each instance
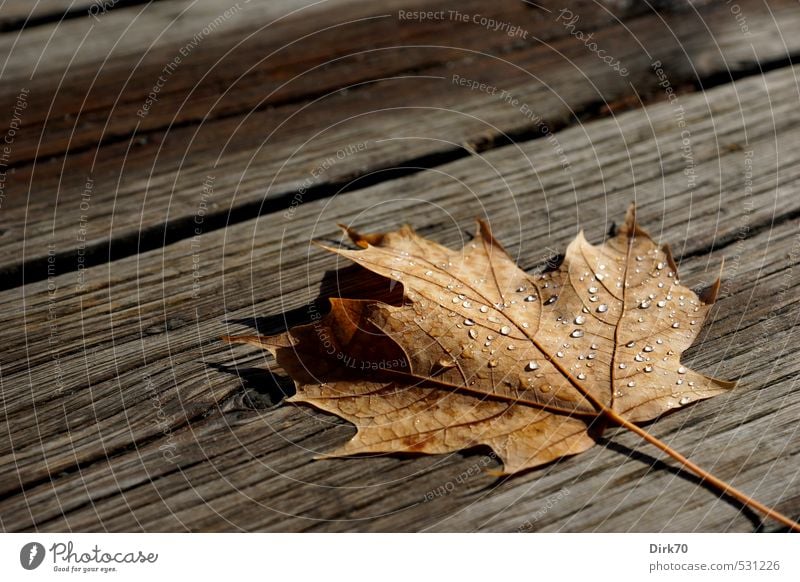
(704, 475)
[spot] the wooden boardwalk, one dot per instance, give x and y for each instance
(165, 166)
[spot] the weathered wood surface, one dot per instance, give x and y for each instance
(262, 125)
(122, 413)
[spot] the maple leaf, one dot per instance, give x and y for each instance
(479, 352)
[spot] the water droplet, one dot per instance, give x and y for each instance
(622, 366)
(456, 300)
(581, 376)
(546, 388)
(631, 384)
(602, 308)
(648, 369)
(644, 304)
(560, 354)
(647, 349)
(505, 330)
(593, 298)
(446, 363)
(429, 273)
(593, 346)
(469, 322)
(484, 309)
(682, 370)
(492, 363)
(661, 303)
(676, 325)
(550, 300)
(660, 266)
(520, 289)
(531, 366)
(510, 347)
(591, 356)
(679, 381)
(638, 358)
(530, 298)
(600, 276)
(630, 344)
(592, 289)
(685, 400)
(473, 334)
(580, 320)
(576, 333)
(467, 304)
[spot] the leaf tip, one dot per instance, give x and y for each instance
(630, 228)
(360, 240)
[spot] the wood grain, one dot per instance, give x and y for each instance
(120, 413)
(263, 145)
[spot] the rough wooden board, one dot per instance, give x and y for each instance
(245, 471)
(17, 14)
(140, 187)
(155, 290)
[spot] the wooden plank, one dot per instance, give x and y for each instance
(20, 14)
(149, 187)
(119, 413)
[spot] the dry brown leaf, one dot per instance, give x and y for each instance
(480, 352)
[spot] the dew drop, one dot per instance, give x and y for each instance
(661, 303)
(531, 366)
(581, 376)
(492, 363)
(593, 298)
(580, 320)
(530, 298)
(467, 304)
(630, 344)
(676, 325)
(631, 384)
(429, 273)
(576, 333)
(648, 369)
(638, 358)
(644, 304)
(592, 289)
(560, 354)
(550, 300)
(647, 349)
(685, 400)
(473, 334)
(505, 330)
(484, 309)
(469, 322)
(681, 370)
(622, 366)
(591, 356)
(602, 308)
